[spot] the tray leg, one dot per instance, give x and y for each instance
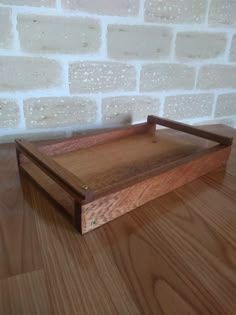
(77, 216)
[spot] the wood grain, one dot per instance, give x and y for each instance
(109, 207)
(174, 255)
(126, 173)
(104, 166)
(24, 294)
(65, 179)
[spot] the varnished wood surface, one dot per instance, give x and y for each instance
(175, 255)
(110, 207)
(127, 172)
(82, 141)
(67, 180)
(117, 161)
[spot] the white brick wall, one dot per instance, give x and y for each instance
(76, 64)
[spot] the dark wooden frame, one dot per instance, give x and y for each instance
(88, 212)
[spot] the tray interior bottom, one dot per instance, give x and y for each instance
(103, 165)
(106, 164)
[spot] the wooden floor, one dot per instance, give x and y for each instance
(175, 255)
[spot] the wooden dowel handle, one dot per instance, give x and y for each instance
(190, 130)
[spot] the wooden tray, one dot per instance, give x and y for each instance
(99, 177)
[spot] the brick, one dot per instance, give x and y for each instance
(91, 77)
(34, 3)
(188, 106)
(155, 77)
(216, 77)
(226, 105)
(26, 73)
(195, 45)
(233, 50)
(9, 114)
(222, 13)
(57, 34)
(138, 42)
(59, 111)
(175, 11)
(104, 7)
(5, 28)
(126, 109)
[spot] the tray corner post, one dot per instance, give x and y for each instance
(151, 124)
(77, 216)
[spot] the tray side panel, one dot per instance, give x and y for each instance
(107, 208)
(89, 140)
(68, 181)
(49, 186)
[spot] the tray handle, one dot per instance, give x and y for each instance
(63, 177)
(190, 130)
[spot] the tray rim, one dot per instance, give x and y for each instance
(80, 190)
